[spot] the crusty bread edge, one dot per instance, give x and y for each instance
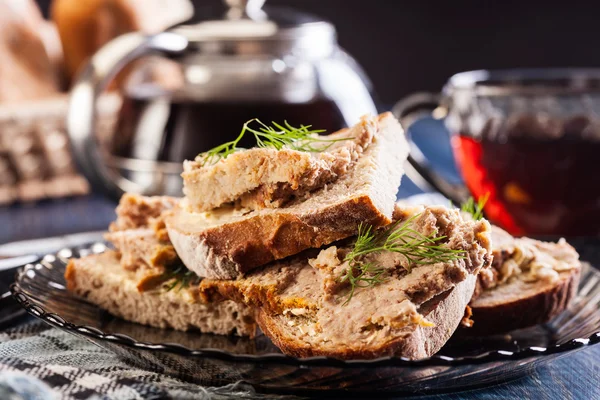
(446, 313)
(518, 313)
(212, 253)
(201, 258)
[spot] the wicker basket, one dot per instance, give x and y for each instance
(35, 159)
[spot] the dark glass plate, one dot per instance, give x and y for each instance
(217, 360)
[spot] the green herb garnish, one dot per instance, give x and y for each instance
(276, 136)
(475, 209)
(179, 278)
(398, 238)
(369, 275)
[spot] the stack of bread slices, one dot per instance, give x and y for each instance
(305, 245)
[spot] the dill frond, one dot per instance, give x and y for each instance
(179, 278)
(399, 238)
(369, 275)
(475, 209)
(276, 136)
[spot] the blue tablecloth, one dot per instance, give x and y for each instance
(575, 376)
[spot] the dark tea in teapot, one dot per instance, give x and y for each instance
(215, 72)
(169, 129)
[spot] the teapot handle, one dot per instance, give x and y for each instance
(409, 110)
(90, 83)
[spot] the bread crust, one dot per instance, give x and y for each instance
(530, 282)
(230, 250)
(495, 313)
(445, 311)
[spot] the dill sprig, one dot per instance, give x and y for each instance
(179, 278)
(399, 238)
(475, 209)
(369, 275)
(276, 136)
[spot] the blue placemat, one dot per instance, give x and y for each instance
(55, 217)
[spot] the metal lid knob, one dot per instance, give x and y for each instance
(245, 9)
(251, 30)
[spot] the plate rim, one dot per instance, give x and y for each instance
(435, 360)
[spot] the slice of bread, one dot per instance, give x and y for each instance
(530, 283)
(305, 308)
(267, 177)
(101, 280)
(227, 242)
(520, 304)
(415, 341)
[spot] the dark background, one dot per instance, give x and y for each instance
(406, 46)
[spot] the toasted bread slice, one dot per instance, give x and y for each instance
(101, 280)
(227, 242)
(415, 341)
(520, 304)
(306, 309)
(530, 283)
(267, 177)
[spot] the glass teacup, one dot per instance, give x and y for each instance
(528, 139)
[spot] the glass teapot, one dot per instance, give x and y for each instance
(224, 68)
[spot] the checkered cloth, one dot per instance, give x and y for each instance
(41, 362)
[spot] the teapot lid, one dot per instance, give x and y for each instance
(245, 27)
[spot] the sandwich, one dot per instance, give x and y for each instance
(280, 201)
(299, 239)
(142, 280)
(530, 283)
(400, 290)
